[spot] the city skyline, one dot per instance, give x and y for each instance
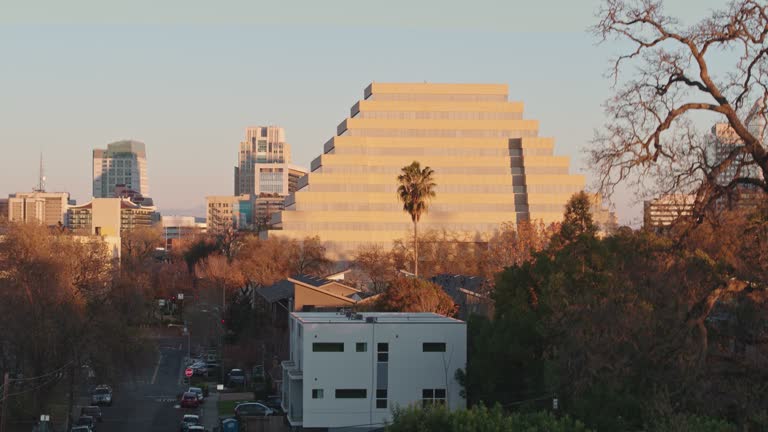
(186, 89)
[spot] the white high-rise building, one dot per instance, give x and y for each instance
(122, 163)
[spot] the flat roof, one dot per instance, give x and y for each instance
(381, 317)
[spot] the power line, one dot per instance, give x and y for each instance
(30, 389)
(55, 371)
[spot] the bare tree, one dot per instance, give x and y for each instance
(650, 133)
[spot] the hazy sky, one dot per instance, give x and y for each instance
(187, 77)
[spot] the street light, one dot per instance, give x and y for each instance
(186, 331)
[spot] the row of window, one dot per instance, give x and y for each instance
(382, 347)
(439, 115)
(444, 133)
(428, 396)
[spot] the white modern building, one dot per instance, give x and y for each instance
(122, 163)
(351, 370)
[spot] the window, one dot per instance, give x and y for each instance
(317, 393)
(351, 393)
(433, 347)
(381, 399)
(361, 347)
(383, 352)
(432, 397)
(328, 347)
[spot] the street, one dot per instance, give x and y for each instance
(148, 400)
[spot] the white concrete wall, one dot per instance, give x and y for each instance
(410, 370)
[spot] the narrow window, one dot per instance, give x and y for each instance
(361, 347)
(433, 346)
(351, 393)
(328, 347)
(381, 399)
(383, 352)
(317, 393)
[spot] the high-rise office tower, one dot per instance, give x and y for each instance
(262, 145)
(724, 140)
(490, 167)
(264, 172)
(121, 164)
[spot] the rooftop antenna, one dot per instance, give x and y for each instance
(41, 177)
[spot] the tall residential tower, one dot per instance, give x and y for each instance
(490, 167)
(122, 163)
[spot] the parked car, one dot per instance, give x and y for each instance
(86, 421)
(252, 409)
(81, 429)
(236, 378)
(213, 368)
(102, 395)
(275, 404)
(93, 411)
(198, 391)
(199, 369)
(196, 428)
(189, 420)
(189, 400)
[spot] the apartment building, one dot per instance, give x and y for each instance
(47, 208)
(350, 370)
(109, 217)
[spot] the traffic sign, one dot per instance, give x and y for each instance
(188, 372)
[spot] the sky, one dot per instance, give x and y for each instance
(187, 78)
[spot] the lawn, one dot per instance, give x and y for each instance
(227, 407)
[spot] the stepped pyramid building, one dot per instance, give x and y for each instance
(490, 167)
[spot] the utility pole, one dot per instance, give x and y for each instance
(6, 385)
(71, 398)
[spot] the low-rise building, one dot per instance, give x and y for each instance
(350, 370)
(224, 211)
(47, 208)
(109, 217)
(665, 210)
(3, 209)
(176, 228)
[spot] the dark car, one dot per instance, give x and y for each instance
(252, 409)
(87, 421)
(189, 420)
(93, 411)
(236, 378)
(275, 404)
(190, 400)
(102, 395)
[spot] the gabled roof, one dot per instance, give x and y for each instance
(281, 290)
(458, 286)
(311, 280)
(286, 289)
(318, 282)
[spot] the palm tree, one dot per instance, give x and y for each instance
(417, 187)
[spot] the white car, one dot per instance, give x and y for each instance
(198, 391)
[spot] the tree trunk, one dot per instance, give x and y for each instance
(415, 248)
